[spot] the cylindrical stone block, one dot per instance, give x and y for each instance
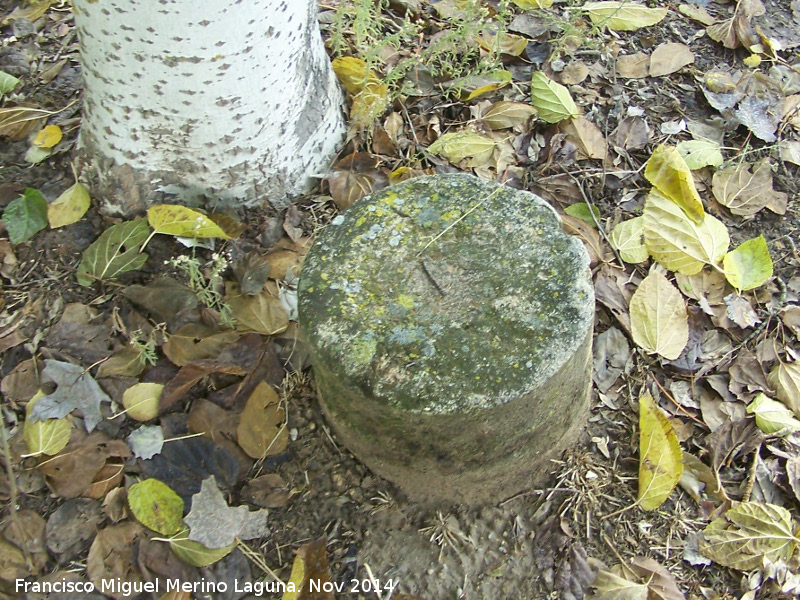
(449, 321)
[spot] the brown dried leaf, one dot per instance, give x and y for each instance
(195, 341)
(633, 66)
(262, 427)
(745, 192)
(588, 138)
(112, 557)
(670, 58)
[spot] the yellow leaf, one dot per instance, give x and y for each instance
(772, 416)
(551, 99)
(141, 401)
(533, 4)
(659, 322)
(462, 144)
(353, 73)
(505, 43)
(173, 219)
(369, 104)
(44, 437)
(69, 207)
(623, 15)
(671, 176)
(660, 456)
(676, 242)
(48, 137)
(628, 239)
(28, 10)
(296, 579)
(748, 266)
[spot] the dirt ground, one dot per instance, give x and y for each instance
(548, 542)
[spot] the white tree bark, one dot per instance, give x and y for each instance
(204, 101)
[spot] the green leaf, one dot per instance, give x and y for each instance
(660, 455)
(7, 83)
(116, 251)
(25, 216)
(748, 533)
(582, 211)
(533, 4)
(195, 553)
(628, 239)
(748, 266)
(551, 99)
(623, 15)
(700, 153)
(677, 242)
(156, 506)
(772, 416)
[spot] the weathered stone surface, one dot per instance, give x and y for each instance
(449, 321)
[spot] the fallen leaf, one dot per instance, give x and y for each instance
(552, 100)
(678, 243)
(669, 58)
(588, 138)
(504, 115)
(772, 417)
(696, 13)
(45, 437)
(659, 322)
(48, 137)
(263, 313)
(459, 145)
(785, 378)
(745, 192)
(69, 207)
(7, 83)
(141, 401)
(739, 310)
(195, 553)
(748, 266)
(641, 579)
(115, 252)
(748, 534)
(633, 66)
(163, 298)
(368, 105)
(156, 506)
(25, 216)
(353, 73)
(628, 239)
(310, 564)
(533, 4)
(700, 153)
(195, 341)
(262, 428)
(622, 15)
(671, 176)
(216, 525)
(146, 441)
(660, 456)
(177, 220)
(112, 557)
(268, 491)
(127, 362)
(76, 390)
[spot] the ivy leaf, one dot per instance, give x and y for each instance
(660, 456)
(628, 239)
(552, 100)
(156, 506)
(749, 266)
(676, 242)
(659, 321)
(115, 252)
(747, 534)
(671, 176)
(25, 216)
(623, 15)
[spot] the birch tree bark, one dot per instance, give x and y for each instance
(204, 102)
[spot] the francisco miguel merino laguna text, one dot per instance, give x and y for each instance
(134, 588)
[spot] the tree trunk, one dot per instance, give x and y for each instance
(204, 102)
